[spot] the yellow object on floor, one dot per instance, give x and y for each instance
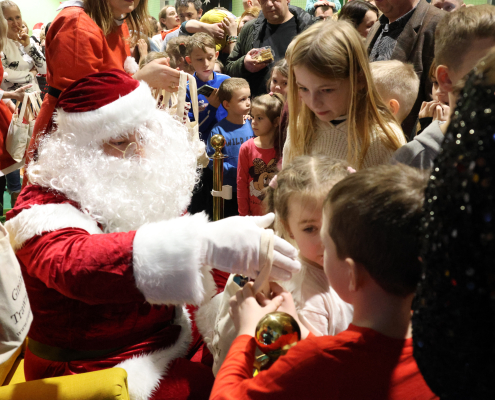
(107, 384)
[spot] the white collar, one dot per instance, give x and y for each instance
(71, 3)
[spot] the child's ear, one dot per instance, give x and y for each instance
(443, 78)
(354, 274)
(216, 54)
(188, 59)
(225, 105)
(394, 106)
(276, 122)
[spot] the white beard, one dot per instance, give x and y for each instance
(122, 195)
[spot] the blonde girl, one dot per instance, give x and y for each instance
(296, 197)
(258, 157)
(341, 113)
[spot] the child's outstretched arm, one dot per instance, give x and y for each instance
(287, 375)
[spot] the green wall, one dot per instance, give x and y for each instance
(34, 11)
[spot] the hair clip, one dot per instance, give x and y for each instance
(273, 183)
(351, 170)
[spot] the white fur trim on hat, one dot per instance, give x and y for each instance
(144, 372)
(47, 218)
(167, 261)
(122, 116)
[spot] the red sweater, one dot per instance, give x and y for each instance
(255, 168)
(76, 47)
(358, 363)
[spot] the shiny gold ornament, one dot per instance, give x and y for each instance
(275, 334)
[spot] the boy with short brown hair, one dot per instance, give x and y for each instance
(462, 38)
(370, 233)
(235, 96)
(201, 55)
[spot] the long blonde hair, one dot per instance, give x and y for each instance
(335, 50)
(137, 21)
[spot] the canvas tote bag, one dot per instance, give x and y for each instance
(22, 125)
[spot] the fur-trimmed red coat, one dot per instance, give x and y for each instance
(95, 291)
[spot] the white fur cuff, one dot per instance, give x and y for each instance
(167, 261)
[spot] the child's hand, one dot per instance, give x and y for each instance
(214, 100)
(143, 47)
(246, 312)
(215, 30)
(245, 118)
(230, 26)
(287, 306)
(441, 113)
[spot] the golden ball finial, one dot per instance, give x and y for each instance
(217, 142)
(276, 333)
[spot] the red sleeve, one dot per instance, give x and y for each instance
(243, 179)
(292, 376)
(95, 269)
(75, 48)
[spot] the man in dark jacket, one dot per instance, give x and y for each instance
(276, 26)
(406, 32)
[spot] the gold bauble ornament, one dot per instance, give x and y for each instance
(275, 334)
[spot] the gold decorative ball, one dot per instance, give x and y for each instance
(276, 333)
(217, 141)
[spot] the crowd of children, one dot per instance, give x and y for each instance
(295, 151)
(324, 151)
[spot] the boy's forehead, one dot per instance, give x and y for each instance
(199, 51)
(184, 9)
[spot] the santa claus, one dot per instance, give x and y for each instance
(107, 258)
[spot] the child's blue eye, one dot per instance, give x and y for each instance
(328, 90)
(302, 89)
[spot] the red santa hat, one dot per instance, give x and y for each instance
(104, 105)
(37, 29)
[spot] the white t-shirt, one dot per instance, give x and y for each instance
(17, 61)
(319, 306)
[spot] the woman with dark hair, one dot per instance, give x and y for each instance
(361, 14)
(92, 36)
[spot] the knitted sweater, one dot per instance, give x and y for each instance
(331, 140)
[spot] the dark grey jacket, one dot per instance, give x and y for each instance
(423, 149)
(250, 38)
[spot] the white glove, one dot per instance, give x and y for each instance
(233, 245)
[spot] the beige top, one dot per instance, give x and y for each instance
(331, 140)
(319, 306)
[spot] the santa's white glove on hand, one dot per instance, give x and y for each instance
(233, 245)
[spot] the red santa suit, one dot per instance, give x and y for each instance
(110, 299)
(112, 293)
(84, 297)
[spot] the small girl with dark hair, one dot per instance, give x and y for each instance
(361, 14)
(258, 157)
(279, 78)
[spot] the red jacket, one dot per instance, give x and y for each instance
(95, 291)
(76, 47)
